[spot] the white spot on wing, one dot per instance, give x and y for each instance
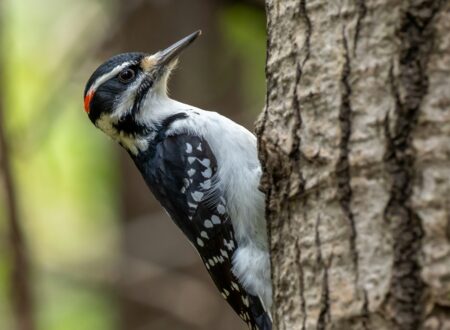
(234, 286)
(191, 172)
(206, 184)
(199, 148)
(207, 173)
(197, 196)
(205, 162)
(229, 245)
(208, 224)
(215, 220)
(224, 253)
(200, 242)
(191, 160)
(204, 234)
(188, 148)
(221, 209)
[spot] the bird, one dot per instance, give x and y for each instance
(202, 167)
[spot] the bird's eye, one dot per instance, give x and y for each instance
(126, 75)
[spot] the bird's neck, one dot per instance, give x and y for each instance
(157, 108)
(156, 114)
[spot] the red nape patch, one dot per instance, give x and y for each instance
(87, 101)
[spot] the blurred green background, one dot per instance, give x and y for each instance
(101, 254)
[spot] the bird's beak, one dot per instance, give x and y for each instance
(167, 55)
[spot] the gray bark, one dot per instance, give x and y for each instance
(355, 145)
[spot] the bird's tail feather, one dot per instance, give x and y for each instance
(260, 315)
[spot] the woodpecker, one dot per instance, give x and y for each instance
(201, 166)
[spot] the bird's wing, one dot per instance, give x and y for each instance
(181, 173)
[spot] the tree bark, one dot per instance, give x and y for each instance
(355, 146)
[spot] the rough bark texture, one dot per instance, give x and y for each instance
(355, 142)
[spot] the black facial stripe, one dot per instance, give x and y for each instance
(128, 125)
(142, 91)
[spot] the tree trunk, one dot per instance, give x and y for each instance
(355, 145)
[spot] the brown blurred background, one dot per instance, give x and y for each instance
(84, 245)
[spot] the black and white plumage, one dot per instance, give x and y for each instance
(202, 168)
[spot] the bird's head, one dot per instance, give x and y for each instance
(117, 91)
